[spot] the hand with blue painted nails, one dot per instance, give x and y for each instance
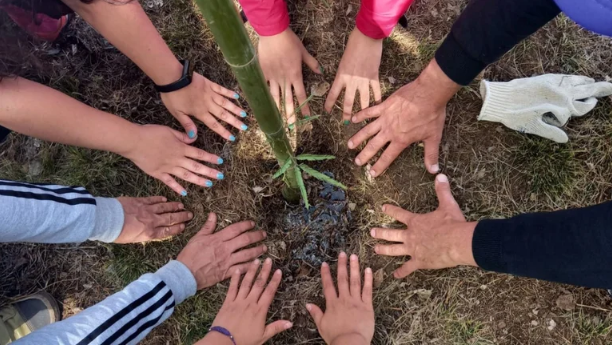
(281, 57)
(208, 102)
(162, 152)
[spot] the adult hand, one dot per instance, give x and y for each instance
(349, 314)
(213, 257)
(358, 71)
(415, 112)
(246, 306)
(281, 58)
(207, 102)
(151, 218)
(162, 152)
(434, 240)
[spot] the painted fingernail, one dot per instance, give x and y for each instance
(373, 233)
(244, 127)
(442, 178)
(184, 193)
(220, 176)
(208, 184)
(236, 96)
(346, 122)
(321, 69)
(232, 138)
(435, 168)
(243, 113)
(357, 161)
(219, 160)
(191, 134)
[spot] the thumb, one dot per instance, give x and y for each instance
(191, 130)
(432, 153)
(443, 191)
(311, 62)
(210, 225)
(183, 137)
(275, 328)
(315, 313)
(406, 269)
(368, 113)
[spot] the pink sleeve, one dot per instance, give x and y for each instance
(267, 17)
(377, 18)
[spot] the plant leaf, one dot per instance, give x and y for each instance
(283, 168)
(310, 157)
(322, 177)
(300, 182)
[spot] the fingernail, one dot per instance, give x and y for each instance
(368, 270)
(232, 138)
(256, 262)
(325, 264)
(191, 134)
(243, 113)
(190, 215)
(219, 160)
(342, 254)
(321, 69)
(346, 122)
(373, 233)
(208, 184)
(220, 176)
(265, 248)
(180, 206)
(372, 172)
(244, 127)
(268, 260)
(353, 257)
(357, 161)
(236, 96)
(442, 178)
(164, 199)
(184, 193)
(435, 168)
(278, 272)
(309, 307)
(354, 119)
(265, 235)
(350, 144)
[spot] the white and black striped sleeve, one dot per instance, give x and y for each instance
(125, 317)
(44, 213)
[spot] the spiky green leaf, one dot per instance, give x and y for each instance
(300, 182)
(311, 157)
(282, 169)
(321, 176)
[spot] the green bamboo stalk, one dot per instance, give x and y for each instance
(229, 32)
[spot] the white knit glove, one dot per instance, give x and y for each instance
(540, 105)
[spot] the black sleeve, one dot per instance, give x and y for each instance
(571, 246)
(486, 30)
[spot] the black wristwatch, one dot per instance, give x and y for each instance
(185, 80)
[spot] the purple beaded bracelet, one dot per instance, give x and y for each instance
(223, 331)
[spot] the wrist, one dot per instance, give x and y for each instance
(461, 252)
(167, 74)
(216, 339)
(349, 338)
(129, 148)
(436, 84)
(360, 35)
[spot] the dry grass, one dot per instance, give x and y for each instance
(495, 173)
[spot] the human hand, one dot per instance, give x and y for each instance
(349, 314)
(358, 71)
(162, 152)
(246, 306)
(281, 58)
(151, 218)
(207, 102)
(435, 240)
(415, 112)
(213, 257)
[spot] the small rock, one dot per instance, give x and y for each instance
(320, 89)
(535, 312)
(74, 49)
(257, 189)
(379, 276)
(35, 168)
(368, 167)
(533, 197)
(481, 173)
(423, 293)
(566, 302)
(87, 286)
(501, 325)
(483, 287)
(534, 323)
(352, 206)
(551, 324)
(391, 80)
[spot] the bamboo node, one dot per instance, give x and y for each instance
(246, 64)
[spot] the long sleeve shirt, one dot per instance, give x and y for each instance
(58, 214)
(375, 19)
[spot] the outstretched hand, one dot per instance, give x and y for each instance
(435, 240)
(213, 257)
(208, 102)
(349, 313)
(415, 112)
(246, 306)
(358, 71)
(281, 58)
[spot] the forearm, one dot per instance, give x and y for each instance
(569, 246)
(486, 30)
(39, 111)
(125, 317)
(56, 214)
(127, 27)
(377, 18)
(267, 17)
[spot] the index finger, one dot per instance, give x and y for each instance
(363, 135)
(300, 94)
(349, 99)
(329, 291)
(236, 229)
(391, 235)
(398, 213)
(333, 94)
(368, 113)
(223, 91)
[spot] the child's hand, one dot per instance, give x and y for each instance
(162, 152)
(349, 315)
(245, 309)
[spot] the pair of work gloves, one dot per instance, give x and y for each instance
(541, 105)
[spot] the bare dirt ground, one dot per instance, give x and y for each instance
(494, 173)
